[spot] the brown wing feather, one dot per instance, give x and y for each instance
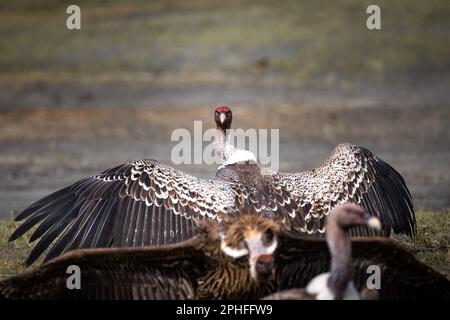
(163, 272)
(260, 193)
(402, 275)
(139, 203)
(352, 174)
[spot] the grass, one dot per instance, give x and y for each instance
(432, 245)
(13, 254)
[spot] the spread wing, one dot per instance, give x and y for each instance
(402, 276)
(352, 174)
(158, 272)
(135, 204)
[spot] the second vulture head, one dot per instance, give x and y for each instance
(251, 239)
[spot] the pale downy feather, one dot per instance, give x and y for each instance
(318, 286)
(233, 155)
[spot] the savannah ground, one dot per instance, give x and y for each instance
(73, 103)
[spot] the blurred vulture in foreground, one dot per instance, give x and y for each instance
(229, 261)
(146, 202)
(337, 284)
(353, 269)
(245, 257)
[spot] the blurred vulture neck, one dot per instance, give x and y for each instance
(340, 250)
(220, 142)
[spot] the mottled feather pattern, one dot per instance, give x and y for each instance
(352, 174)
(146, 202)
(138, 203)
(160, 185)
(259, 193)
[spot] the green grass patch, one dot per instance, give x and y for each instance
(12, 254)
(432, 245)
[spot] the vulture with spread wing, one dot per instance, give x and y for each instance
(246, 256)
(353, 268)
(146, 202)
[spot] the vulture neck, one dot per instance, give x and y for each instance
(221, 142)
(340, 250)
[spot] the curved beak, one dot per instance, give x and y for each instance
(262, 260)
(265, 265)
(374, 223)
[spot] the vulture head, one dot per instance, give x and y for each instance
(223, 117)
(254, 238)
(249, 241)
(350, 215)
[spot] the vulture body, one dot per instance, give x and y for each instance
(402, 275)
(378, 267)
(228, 261)
(246, 256)
(146, 202)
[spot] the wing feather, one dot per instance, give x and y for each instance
(134, 204)
(402, 275)
(353, 174)
(166, 272)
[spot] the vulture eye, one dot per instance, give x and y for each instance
(242, 245)
(267, 237)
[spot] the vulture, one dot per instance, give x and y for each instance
(245, 256)
(223, 147)
(344, 270)
(146, 202)
(230, 260)
(337, 284)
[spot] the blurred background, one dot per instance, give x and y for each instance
(73, 103)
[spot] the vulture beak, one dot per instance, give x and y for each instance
(262, 261)
(222, 118)
(374, 223)
(264, 265)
